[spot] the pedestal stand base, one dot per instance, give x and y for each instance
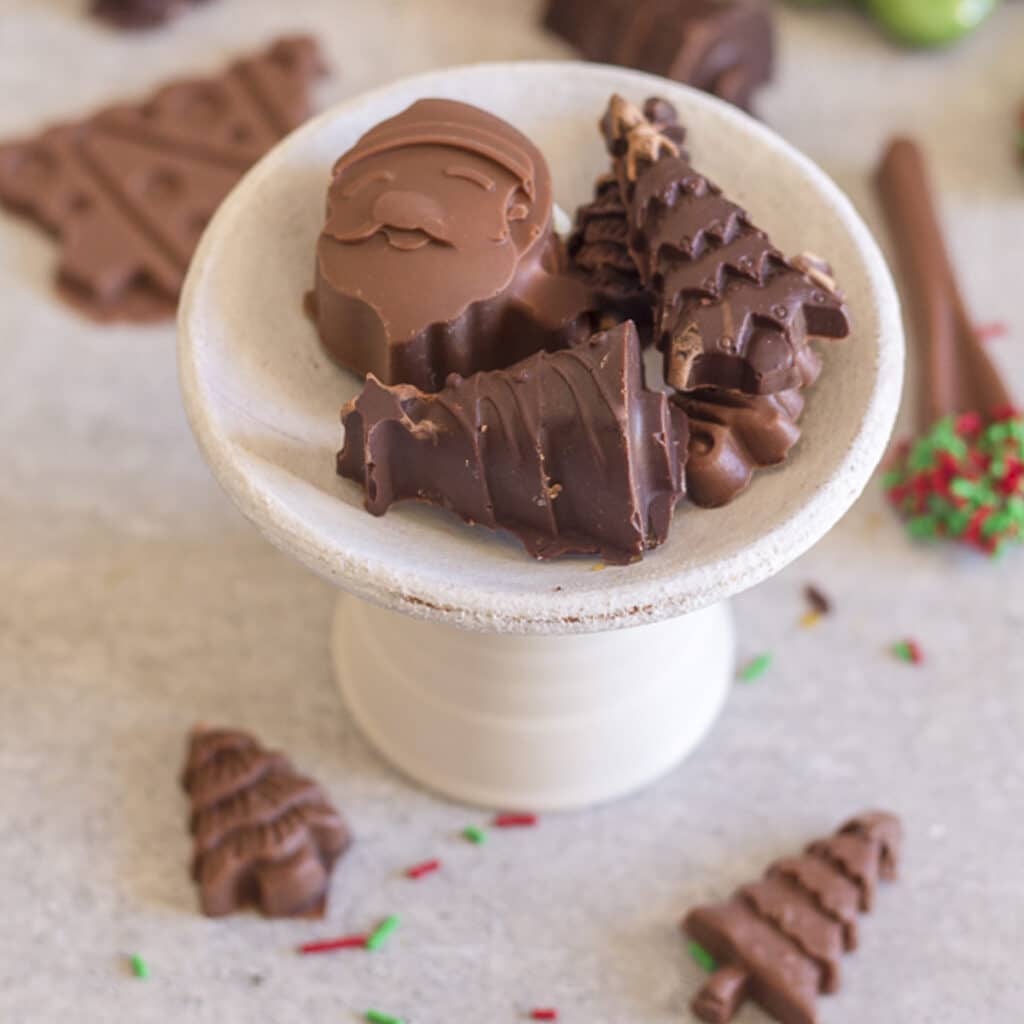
(532, 722)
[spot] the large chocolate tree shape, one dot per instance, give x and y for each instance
(963, 477)
(777, 942)
(129, 190)
(265, 836)
(438, 254)
(732, 311)
(721, 46)
(567, 450)
(598, 250)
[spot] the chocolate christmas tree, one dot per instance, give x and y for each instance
(732, 311)
(264, 835)
(778, 941)
(567, 450)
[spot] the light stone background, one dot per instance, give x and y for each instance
(135, 601)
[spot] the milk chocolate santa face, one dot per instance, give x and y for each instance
(438, 254)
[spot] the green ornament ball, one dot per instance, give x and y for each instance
(930, 22)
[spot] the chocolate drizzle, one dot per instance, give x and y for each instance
(778, 940)
(264, 835)
(568, 450)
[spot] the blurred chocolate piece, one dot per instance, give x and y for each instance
(598, 250)
(140, 13)
(721, 46)
(732, 311)
(733, 434)
(778, 941)
(566, 450)
(439, 254)
(129, 190)
(264, 835)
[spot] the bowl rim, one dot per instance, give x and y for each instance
(624, 603)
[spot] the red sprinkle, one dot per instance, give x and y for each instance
(326, 945)
(419, 870)
(545, 1014)
(996, 329)
(914, 649)
(515, 821)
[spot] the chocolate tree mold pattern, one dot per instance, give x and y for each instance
(476, 670)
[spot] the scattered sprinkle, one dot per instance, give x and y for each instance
(909, 651)
(376, 1017)
(327, 945)
(426, 868)
(545, 1013)
(382, 932)
(702, 957)
(475, 835)
(515, 821)
(756, 668)
(818, 599)
(963, 480)
(987, 332)
(139, 966)
(810, 619)
(598, 566)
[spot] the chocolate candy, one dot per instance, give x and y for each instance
(139, 13)
(778, 941)
(930, 22)
(438, 254)
(567, 450)
(732, 311)
(264, 835)
(129, 190)
(721, 46)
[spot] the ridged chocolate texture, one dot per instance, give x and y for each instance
(779, 940)
(264, 835)
(438, 254)
(732, 435)
(732, 311)
(567, 450)
(140, 13)
(129, 190)
(598, 249)
(721, 46)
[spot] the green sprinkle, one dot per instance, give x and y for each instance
(475, 835)
(756, 668)
(903, 651)
(702, 957)
(383, 932)
(376, 1017)
(139, 966)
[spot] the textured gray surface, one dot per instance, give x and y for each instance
(136, 601)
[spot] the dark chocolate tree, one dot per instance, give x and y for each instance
(265, 836)
(778, 941)
(567, 450)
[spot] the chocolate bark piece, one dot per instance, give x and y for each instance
(598, 250)
(732, 311)
(129, 190)
(566, 450)
(439, 254)
(721, 46)
(778, 941)
(264, 835)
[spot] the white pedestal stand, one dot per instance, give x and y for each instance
(561, 686)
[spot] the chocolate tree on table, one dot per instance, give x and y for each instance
(963, 477)
(777, 942)
(566, 450)
(724, 47)
(732, 311)
(264, 835)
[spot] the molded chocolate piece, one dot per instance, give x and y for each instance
(732, 311)
(439, 255)
(264, 835)
(129, 190)
(568, 451)
(721, 46)
(778, 941)
(139, 13)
